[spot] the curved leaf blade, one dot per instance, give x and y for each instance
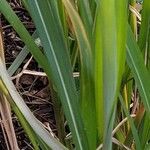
(34, 123)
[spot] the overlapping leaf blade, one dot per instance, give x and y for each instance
(136, 63)
(46, 17)
(110, 49)
(87, 98)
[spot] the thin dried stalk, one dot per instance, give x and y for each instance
(5, 109)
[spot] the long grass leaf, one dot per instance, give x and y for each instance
(99, 77)
(144, 131)
(110, 60)
(46, 17)
(87, 75)
(20, 58)
(133, 128)
(136, 63)
(86, 15)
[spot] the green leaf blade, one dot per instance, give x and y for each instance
(45, 16)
